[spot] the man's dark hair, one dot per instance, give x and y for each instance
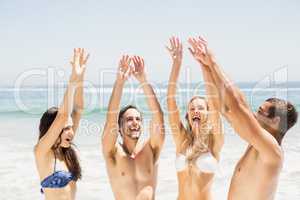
(285, 111)
(122, 112)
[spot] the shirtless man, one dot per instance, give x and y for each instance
(131, 165)
(256, 174)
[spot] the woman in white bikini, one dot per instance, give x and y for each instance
(199, 143)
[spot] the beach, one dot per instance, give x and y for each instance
(19, 179)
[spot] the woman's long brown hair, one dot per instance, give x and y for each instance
(69, 154)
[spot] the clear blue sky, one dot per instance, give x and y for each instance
(250, 38)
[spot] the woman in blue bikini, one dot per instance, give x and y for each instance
(199, 143)
(56, 159)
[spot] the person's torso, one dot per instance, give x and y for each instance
(47, 166)
(193, 183)
(195, 177)
(253, 179)
(129, 176)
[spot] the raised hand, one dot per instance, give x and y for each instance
(175, 49)
(139, 68)
(78, 64)
(200, 51)
(125, 69)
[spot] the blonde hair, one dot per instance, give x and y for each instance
(193, 146)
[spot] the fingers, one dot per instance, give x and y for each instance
(175, 48)
(81, 54)
(135, 64)
(171, 45)
(172, 42)
(124, 66)
(79, 59)
(138, 63)
(124, 61)
(192, 51)
(74, 56)
(201, 42)
(202, 39)
(128, 71)
(204, 43)
(77, 55)
(135, 61)
(127, 59)
(73, 60)
(143, 63)
(139, 60)
(177, 43)
(180, 47)
(86, 59)
(83, 58)
(194, 47)
(168, 48)
(198, 45)
(121, 62)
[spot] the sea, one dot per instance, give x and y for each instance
(22, 107)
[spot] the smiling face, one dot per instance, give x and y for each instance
(266, 116)
(66, 137)
(197, 111)
(131, 124)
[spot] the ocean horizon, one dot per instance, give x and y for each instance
(22, 108)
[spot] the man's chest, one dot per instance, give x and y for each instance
(247, 166)
(140, 167)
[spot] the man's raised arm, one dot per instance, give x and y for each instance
(157, 133)
(236, 109)
(111, 128)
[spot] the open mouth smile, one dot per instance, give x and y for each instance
(134, 129)
(69, 139)
(196, 119)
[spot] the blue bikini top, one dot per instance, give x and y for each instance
(58, 179)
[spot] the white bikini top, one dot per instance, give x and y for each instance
(206, 163)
